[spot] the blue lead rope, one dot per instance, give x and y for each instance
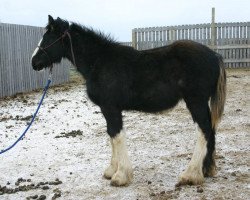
(33, 118)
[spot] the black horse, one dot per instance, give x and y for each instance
(121, 78)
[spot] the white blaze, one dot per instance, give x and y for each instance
(36, 50)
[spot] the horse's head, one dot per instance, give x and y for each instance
(50, 48)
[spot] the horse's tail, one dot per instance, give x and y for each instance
(217, 101)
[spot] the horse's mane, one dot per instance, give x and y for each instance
(93, 35)
(97, 36)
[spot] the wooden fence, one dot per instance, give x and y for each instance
(17, 43)
(231, 40)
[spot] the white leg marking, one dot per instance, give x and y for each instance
(110, 171)
(36, 50)
(120, 164)
(193, 174)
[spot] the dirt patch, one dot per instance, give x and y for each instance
(70, 134)
(24, 185)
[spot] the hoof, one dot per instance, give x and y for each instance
(190, 178)
(109, 172)
(211, 172)
(122, 178)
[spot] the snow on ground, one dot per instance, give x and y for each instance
(67, 149)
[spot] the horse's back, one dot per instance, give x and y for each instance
(165, 75)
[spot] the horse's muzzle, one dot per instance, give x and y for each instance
(37, 65)
(41, 62)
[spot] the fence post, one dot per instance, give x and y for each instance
(134, 38)
(213, 32)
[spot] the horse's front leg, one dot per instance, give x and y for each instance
(120, 170)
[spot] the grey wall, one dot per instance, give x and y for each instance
(17, 43)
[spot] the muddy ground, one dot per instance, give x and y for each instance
(64, 154)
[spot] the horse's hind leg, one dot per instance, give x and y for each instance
(120, 169)
(202, 162)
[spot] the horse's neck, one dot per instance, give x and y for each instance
(83, 53)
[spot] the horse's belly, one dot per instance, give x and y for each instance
(152, 102)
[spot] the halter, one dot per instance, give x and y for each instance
(43, 49)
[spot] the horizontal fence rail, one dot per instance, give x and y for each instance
(235, 56)
(126, 44)
(231, 40)
(17, 43)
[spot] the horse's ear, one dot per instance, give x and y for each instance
(63, 25)
(51, 23)
(51, 20)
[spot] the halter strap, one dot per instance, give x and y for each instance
(71, 47)
(66, 33)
